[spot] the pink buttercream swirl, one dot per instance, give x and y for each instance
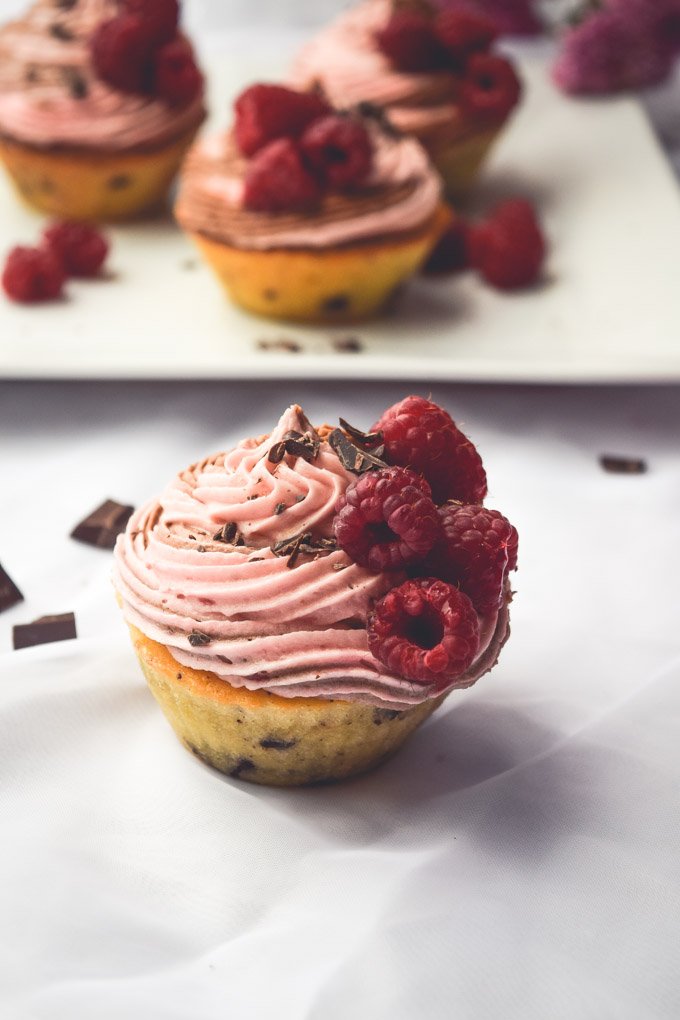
(50, 95)
(248, 615)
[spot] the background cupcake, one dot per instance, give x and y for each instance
(309, 214)
(99, 101)
(432, 74)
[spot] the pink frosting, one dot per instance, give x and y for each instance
(38, 100)
(296, 630)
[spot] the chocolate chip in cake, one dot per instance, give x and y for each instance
(44, 630)
(119, 182)
(381, 715)
(336, 303)
(623, 465)
(242, 765)
(103, 525)
(271, 743)
(9, 593)
(270, 294)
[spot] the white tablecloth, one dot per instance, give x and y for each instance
(518, 859)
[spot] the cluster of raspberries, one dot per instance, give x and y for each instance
(456, 40)
(67, 249)
(298, 148)
(422, 517)
(142, 51)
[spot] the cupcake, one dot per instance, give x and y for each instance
(301, 603)
(309, 214)
(431, 73)
(99, 101)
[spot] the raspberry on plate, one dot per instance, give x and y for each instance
(277, 181)
(386, 519)
(422, 436)
(408, 40)
(425, 630)
(267, 112)
(490, 88)
(509, 248)
(80, 248)
(177, 78)
(463, 32)
(450, 254)
(160, 17)
(32, 274)
(338, 151)
(476, 552)
(121, 53)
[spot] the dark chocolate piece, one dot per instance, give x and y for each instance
(381, 715)
(336, 303)
(350, 456)
(277, 453)
(347, 344)
(366, 440)
(61, 32)
(623, 465)
(103, 525)
(279, 508)
(302, 444)
(199, 640)
(9, 593)
(77, 85)
(242, 765)
(271, 743)
(282, 344)
(227, 533)
(44, 630)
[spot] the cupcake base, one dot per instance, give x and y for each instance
(263, 738)
(459, 162)
(330, 286)
(82, 184)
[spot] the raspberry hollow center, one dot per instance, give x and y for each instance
(425, 630)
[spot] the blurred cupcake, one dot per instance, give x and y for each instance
(309, 214)
(99, 101)
(431, 73)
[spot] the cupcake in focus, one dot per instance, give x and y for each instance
(306, 213)
(302, 602)
(99, 101)
(429, 69)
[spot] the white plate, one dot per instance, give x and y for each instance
(609, 310)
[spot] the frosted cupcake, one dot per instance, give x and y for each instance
(309, 214)
(431, 73)
(99, 101)
(299, 605)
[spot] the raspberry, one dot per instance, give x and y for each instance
(509, 248)
(277, 181)
(478, 548)
(267, 112)
(425, 630)
(160, 17)
(490, 88)
(450, 254)
(422, 436)
(386, 519)
(409, 42)
(464, 32)
(177, 78)
(79, 247)
(32, 274)
(338, 150)
(121, 53)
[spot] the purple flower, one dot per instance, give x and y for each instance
(661, 17)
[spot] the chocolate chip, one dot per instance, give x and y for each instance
(623, 465)
(272, 744)
(336, 303)
(270, 294)
(227, 533)
(350, 456)
(77, 85)
(277, 453)
(366, 440)
(302, 444)
(347, 344)
(199, 640)
(279, 508)
(103, 525)
(381, 715)
(118, 182)
(61, 32)
(9, 593)
(242, 765)
(44, 630)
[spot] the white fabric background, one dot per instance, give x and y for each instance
(518, 859)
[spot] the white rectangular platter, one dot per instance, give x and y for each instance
(607, 311)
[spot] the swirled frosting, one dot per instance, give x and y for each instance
(345, 62)
(400, 195)
(50, 95)
(254, 618)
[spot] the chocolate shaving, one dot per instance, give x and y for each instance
(227, 533)
(366, 440)
(302, 444)
(61, 32)
(65, 5)
(77, 85)
(44, 630)
(9, 593)
(350, 456)
(376, 113)
(277, 453)
(224, 659)
(623, 465)
(103, 525)
(279, 508)
(198, 640)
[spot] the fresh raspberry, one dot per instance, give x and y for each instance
(409, 42)
(477, 550)
(79, 247)
(422, 436)
(338, 151)
(425, 630)
(177, 78)
(463, 32)
(32, 274)
(277, 180)
(386, 519)
(160, 18)
(490, 88)
(267, 112)
(121, 53)
(450, 254)
(509, 248)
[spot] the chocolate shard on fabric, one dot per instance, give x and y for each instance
(623, 465)
(103, 525)
(350, 456)
(9, 593)
(44, 630)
